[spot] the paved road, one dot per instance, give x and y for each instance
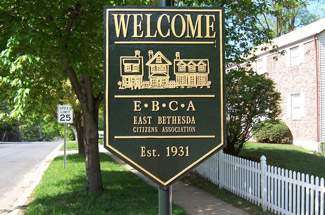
(18, 159)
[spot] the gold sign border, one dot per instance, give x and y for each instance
(164, 183)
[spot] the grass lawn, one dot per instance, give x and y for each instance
(286, 156)
(222, 194)
(63, 191)
(72, 144)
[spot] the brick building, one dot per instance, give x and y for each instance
(298, 69)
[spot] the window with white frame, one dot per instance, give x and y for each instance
(295, 56)
(296, 106)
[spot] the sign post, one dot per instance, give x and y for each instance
(164, 105)
(165, 194)
(65, 116)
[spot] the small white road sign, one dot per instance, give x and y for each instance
(65, 114)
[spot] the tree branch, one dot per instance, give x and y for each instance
(266, 22)
(75, 83)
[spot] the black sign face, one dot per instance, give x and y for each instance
(164, 88)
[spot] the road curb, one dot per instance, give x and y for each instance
(27, 185)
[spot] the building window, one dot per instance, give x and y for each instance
(183, 80)
(136, 68)
(191, 68)
(191, 80)
(153, 68)
(127, 68)
(296, 107)
(181, 68)
(202, 68)
(201, 79)
(126, 81)
(162, 68)
(295, 56)
(158, 59)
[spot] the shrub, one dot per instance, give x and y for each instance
(9, 132)
(31, 132)
(250, 97)
(45, 129)
(322, 147)
(274, 131)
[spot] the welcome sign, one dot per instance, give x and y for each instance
(164, 106)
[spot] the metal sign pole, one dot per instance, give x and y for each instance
(65, 146)
(165, 194)
(165, 201)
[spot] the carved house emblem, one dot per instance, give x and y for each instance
(188, 73)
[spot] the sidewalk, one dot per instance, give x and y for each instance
(197, 202)
(193, 200)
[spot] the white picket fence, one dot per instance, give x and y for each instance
(278, 190)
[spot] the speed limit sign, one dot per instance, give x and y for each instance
(65, 114)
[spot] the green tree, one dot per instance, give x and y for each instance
(66, 36)
(286, 15)
(250, 99)
(25, 93)
(244, 25)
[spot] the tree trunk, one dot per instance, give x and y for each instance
(89, 109)
(80, 133)
(231, 148)
(81, 141)
(92, 152)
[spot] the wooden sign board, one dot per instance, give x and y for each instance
(164, 105)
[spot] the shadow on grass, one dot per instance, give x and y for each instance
(124, 193)
(288, 157)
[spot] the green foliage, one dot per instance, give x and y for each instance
(9, 132)
(51, 130)
(274, 131)
(39, 129)
(243, 28)
(31, 132)
(250, 97)
(71, 145)
(43, 41)
(62, 191)
(70, 134)
(286, 15)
